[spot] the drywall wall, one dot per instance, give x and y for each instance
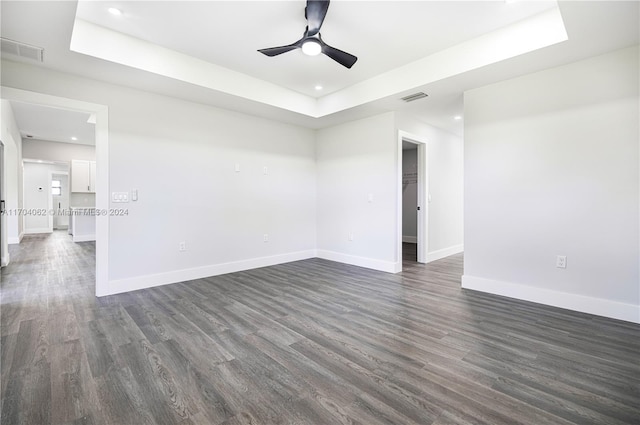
(62, 152)
(357, 192)
(551, 168)
(11, 139)
(182, 159)
(409, 195)
(56, 151)
(445, 161)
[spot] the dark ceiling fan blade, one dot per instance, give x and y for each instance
(275, 51)
(343, 58)
(315, 13)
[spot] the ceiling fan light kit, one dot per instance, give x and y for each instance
(311, 47)
(311, 42)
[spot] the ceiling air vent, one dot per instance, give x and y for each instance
(23, 50)
(415, 96)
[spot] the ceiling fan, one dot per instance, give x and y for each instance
(311, 42)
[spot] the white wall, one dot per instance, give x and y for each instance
(409, 195)
(62, 152)
(10, 136)
(56, 151)
(37, 202)
(551, 168)
(357, 160)
(445, 175)
(181, 158)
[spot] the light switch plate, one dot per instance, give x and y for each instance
(120, 197)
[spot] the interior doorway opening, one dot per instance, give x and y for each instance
(60, 200)
(98, 115)
(413, 198)
(4, 251)
(409, 201)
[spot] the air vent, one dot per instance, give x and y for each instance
(415, 96)
(23, 50)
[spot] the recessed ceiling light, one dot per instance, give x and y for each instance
(318, 87)
(457, 117)
(311, 47)
(74, 138)
(114, 11)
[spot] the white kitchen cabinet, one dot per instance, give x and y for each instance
(83, 176)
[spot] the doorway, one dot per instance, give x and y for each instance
(4, 245)
(409, 201)
(60, 200)
(413, 198)
(100, 116)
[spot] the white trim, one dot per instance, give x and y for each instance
(4, 261)
(409, 239)
(369, 263)
(398, 256)
(141, 282)
(50, 200)
(84, 238)
(591, 305)
(14, 240)
(102, 164)
(37, 231)
(445, 252)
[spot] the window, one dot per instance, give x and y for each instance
(56, 187)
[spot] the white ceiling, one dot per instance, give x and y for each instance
(53, 124)
(402, 46)
(383, 34)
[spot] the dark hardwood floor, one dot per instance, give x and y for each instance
(309, 342)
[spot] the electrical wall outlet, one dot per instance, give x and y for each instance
(561, 262)
(265, 237)
(182, 246)
(350, 237)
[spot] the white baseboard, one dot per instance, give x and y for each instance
(409, 239)
(148, 281)
(84, 238)
(37, 231)
(370, 263)
(584, 304)
(442, 253)
(12, 240)
(4, 261)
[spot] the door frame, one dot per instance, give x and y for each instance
(4, 237)
(423, 196)
(102, 168)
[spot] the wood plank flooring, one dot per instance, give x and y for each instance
(309, 342)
